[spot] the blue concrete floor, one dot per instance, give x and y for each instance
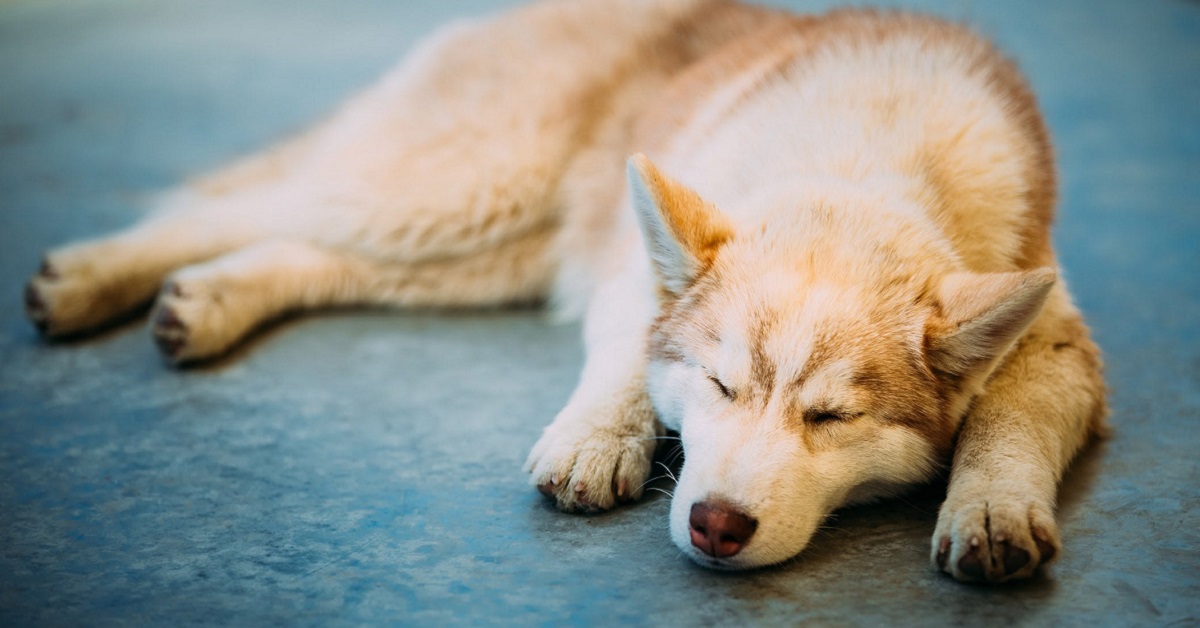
(365, 467)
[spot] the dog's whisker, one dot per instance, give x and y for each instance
(653, 479)
(826, 530)
(914, 506)
(670, 474)
(674, 455)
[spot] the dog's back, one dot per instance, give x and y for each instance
(900, 99)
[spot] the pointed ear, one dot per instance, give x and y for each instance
(682, 230)
(983, 314)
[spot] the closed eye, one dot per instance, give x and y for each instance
(721, 387)
(817, 416)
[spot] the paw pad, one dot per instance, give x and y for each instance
(1014, 558)
(971, 564)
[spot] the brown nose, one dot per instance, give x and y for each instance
(719, 529)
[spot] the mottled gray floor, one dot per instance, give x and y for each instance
(365, 467)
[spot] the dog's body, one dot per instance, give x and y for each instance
(848, 281)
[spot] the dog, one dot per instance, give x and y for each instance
(827, 265)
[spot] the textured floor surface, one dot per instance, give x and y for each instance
(365, 467)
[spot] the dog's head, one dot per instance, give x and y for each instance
(809, 362)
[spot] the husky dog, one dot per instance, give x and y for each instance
(827, 264)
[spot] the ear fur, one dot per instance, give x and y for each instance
(682, 230)
(983, 314)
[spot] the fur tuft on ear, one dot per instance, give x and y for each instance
(983, 314)
(682, 230)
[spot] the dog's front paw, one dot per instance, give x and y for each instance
(993, 537)
(589, 468)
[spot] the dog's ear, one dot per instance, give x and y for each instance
(682, 230)
(982, 315)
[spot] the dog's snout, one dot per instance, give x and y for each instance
(719, 529)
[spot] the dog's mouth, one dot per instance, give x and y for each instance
(718, 564)
(708, 562)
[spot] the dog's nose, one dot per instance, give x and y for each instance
(720, 530)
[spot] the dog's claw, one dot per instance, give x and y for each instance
(1045, 548)
(169, 346)
(943, 552)
(170, 333)
(35, 308)
(167, 319)
(47, 270)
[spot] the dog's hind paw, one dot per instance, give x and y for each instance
(993, 539)
(587, 468)
(71, 293)
(192, 321)
(62, 301)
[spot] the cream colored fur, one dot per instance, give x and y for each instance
(831, 276)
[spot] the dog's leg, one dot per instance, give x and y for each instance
(997, 522)
(205, 308)
(441, 158)
(598, 450)
(85, 285)
(88, 284)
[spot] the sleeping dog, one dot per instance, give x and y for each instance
(817, 247)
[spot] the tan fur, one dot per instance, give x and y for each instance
(832, 274)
